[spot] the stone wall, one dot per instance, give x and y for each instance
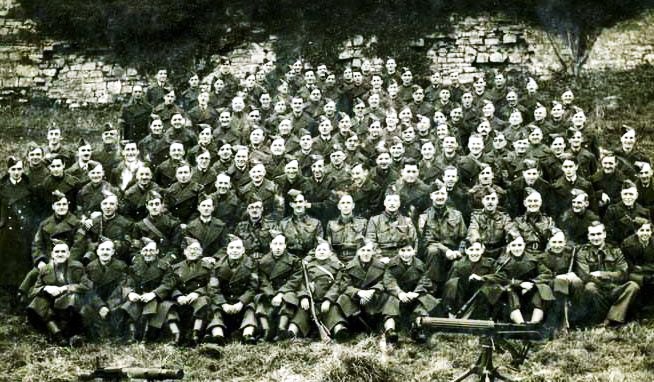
(76, 77)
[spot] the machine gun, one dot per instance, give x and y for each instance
(118, 373)
(492, 334)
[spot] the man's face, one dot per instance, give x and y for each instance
(205, 137)
(567, 97)
(557, 243)
(277, 147)
(474, 252)
(644, 233)
(35, 157)
(225, 152)
(223, 184)
(337, 158)
(488, 110)
(325, 127)
(255, 210)
(84, 153)
(479, 86)
(162, 76)
(366, 253)
(218, 86)
(476, 145)
(176, 151)
(376, 82)
(225, 118)
(410, 173)
(254, 117)
(608, 164)
(392, 203)
(499, 142)
(177, 121)
(536, 136)
(456, 114)
(629, 196)
(278, 245)
(105, 251)
(56, 167)
(439, 197)
(346, 205)
(393, 89)
(169, 98)
(391, 119)
(154, 207)
(149, 252)
(533, 202)
(397, 151)
(357, 77)
(60, 253)
(315, 95)
(490, 202)
(237, 104)
(530, 175)
(137, 92)
(521, 145)
(628, 140)
(306, 142)
(517, 247)
(265, 100)
(130, 152)
(60, 207)
(466, 100)
(569, 168)
(444, 95)
(408, 134)
(299, 205)
(344, 124)
(109, 206)
(206, 208)
(436, 78)
(540, 113)
(16, 171)
(450, 177)
(557, 111)
(579, 204)
(156, 127)
(183, 174)
(449, 145)
(256, 136)
(297, 105)
(241, 158)
(515, 119)
(285, 126)
(597, 235)
(484, 128)
(512, 98)
(54, 136)
(194, 251)
(383, 160)
(323, 252)
(406, 253)
(391, 65)
(257, 173)
(144, 176)
(645, 174)
(442, 130)
(110, 137)
(579, 119)
(418, 95)
(318, 169)
(576, 140)
(291, 170)
(427, 151)
(558, 145)
(500, 80)
(486, 175)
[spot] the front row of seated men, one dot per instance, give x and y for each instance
(276, 296)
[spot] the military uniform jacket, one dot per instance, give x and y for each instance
(256, 236)
(191, 276)
(64, 228)
(267, 191)
(67, 184)
(320, 195)
(445, 229)
(91, 195)
(607, 259)
(134, 119)
(182, 199)
(167, 233)
(389, 233)
(281, 274)
(486, 267)
(301, 234)
(71, 274)
(527, 268)
(230, 208)
(212, 234)
(184, 135)
(324, 279)
(238, 281)
(639, 256)
(143, 277)
(164, 175)
(346, 234)
(491, 228)
(367, 197)
(134, 201)
(535, 229)
(619, 220)
(205, 178)
(107, 154)
(356, 277)
(118, 229)
(107, 282)
(154, 148)
(557, 264)
(401, 277)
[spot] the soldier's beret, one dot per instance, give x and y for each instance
(108, 127)
(83, 142)
(92, 165)
(233, 238)
(103, 239)
(147, 241)
(405, 69)
(12, 161)
(624, 129)
(293, 193)
(56, 242)
(253, 198)
(528, 164)
(108, 194)
(31, 146)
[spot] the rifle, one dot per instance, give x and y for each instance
(322, 329)
(566, 322)
(118, 373)
(492, 333)
(468, 304)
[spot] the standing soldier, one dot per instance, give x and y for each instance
(346, 233)
(231, 209)
(620, 216)
(209, 230)
(135, 115)
(603, 269)
(108, 152)
(133, 202)
(182, 196)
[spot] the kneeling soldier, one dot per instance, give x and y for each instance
(408, 286)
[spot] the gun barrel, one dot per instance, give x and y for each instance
(151, 374)
(482, 327)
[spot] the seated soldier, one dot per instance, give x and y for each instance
(160, 226)
(490, 226)
(473, 285)
(362, 295)
(408, 286)
(280, 276)
(535, 227)
(620, 215)
(210, 231)
(322, 273)
(575, 220)
(525, 282)
(56, 299)
(233, 308)
(390, 230)
(255, 229)
(91, 195)
(638, 250)
(108, 276)
(442, 232)
(182, 196)
(558, 259)
(346, 233)
(192, 290)
(302, 231)
(601, 266)
(231, 209)
(147, 288)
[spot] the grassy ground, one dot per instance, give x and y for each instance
(624, 354)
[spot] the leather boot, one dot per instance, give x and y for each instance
(537, 316)
(55, 332)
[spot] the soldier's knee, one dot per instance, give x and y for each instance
(591, 288)
(632, 287)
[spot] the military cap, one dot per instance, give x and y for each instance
(189, 240)
(108, 127)
(628, 184)
(57, 196)
(641, 221)
(153, 195)
(12, 161)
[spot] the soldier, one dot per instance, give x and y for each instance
(156, 91)
(80, 168)
(301, 231)
(108, 152)
(607, 181)
(524, 280)
(209, 230)
(290, 180)
(192, 292)
(155, 145)
(535, 227)
(474, 275)
(35, 167)
(60, 181)
(264, 188)
(603, 269)
(491, 227)
(280, 276)
(178, 132)
(562, 187)
(146, 290)
(135, 114)
(319, 192)
(531, 178)
(107, 224)
(56, 148)
(406, 282)
(62, 225)
(124, 174)
(202, 173)
(323, 272)
(620, 215)
(413, 193)
(365, 193)
(255, 229)
(346, 233)
(91, 195)
(576, 219)
(638, 250)
(390, 228)
(133, 202)
(160, 226)
(56, 300)
(233, 309)
(165, 173)
(108, 276)
(166, 109)
(362, 295)
(442, 231)
(182, 196)
(231, 210)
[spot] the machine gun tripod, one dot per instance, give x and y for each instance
(116, 374)
(492, 335)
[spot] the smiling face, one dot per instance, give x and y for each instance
(392, 203)
(517, 247)
(56, 167)
(105, 251)
(597, 235)
(323, 251)
(474, 252)
(193, 251)
(60, 207)
(109, 205)
(406, 253)
(278, 245)
(60, 253)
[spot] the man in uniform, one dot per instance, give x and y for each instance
(160, 226)
(209, 230)
(135, 115)
(301, 231)
(620, 215)
(390, 229)
(490, 226)
(346, 233)
(133, 202)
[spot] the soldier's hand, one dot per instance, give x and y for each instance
(324, 307)
(209, 260)
(277, 300)
(404, 297)
(191, 297)
(597, 274)
(412, 295)
(147, 297)
(40, 265)
(237, 307)
(526, 285)
(227, 308)
(103, 312)
(182, 227)
(133, 297)
(304, 303)
(475, 277)
(52, 290)
(182, 300)
(87, 224)
(605, 200)
(452, 255)
(384, 260)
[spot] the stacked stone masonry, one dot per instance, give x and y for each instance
(78, 78)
